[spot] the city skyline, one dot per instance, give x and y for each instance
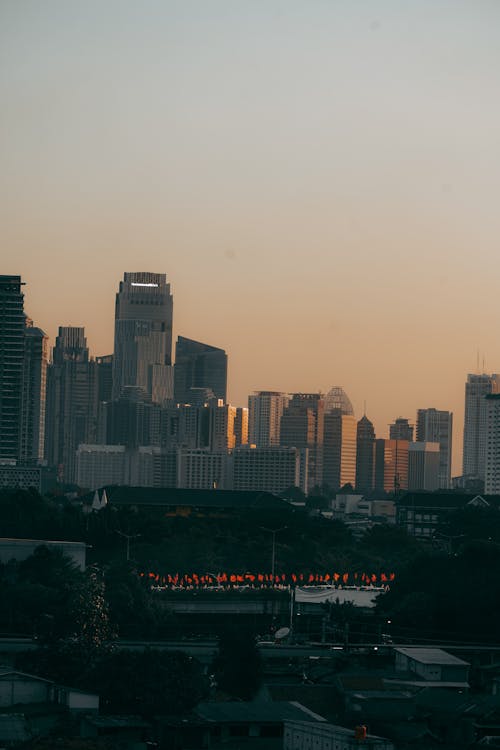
(382, 430)
(318, 181)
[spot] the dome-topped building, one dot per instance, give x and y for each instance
(337, 398)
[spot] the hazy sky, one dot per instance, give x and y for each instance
(319, 180)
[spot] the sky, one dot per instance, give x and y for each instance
(319, 180)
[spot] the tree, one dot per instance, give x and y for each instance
(238, 664)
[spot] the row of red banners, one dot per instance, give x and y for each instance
(258, 580)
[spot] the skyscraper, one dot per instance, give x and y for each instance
(436, 426)
(391, 465)
(198, 365)
(143, 336)
(71, 410)
(339, 449)
(302, 428)
(492, 464)
(34, 393)
(337, 398)
(265, 409)
(365, 455)
(11, 365)
(401, 429)
(423, 466)
(474, 455)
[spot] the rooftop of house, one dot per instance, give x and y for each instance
(172, 497)
(255, 712)
(431, 656)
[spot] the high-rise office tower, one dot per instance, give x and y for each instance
(302, 428)
(474, 455)
(365, 455)
(436, 426)
(391, 465)
(401, 429)
(228, 426)
(339, 449)
(197, 366)
(337, 399)
(423, 466)
(492, 463)
(241, 426)
(71, 408)
(34, 393)
(143, 336)
(11, 365)
(265, 409)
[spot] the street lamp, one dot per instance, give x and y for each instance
(273, 555)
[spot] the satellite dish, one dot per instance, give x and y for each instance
(281, 633)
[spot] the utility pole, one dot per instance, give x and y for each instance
(273, 553)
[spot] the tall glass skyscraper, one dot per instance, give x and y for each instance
(143, 336)
(199, 365)
(11, 365)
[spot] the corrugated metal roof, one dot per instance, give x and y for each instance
(431, 656)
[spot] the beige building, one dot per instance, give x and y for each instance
(265, 469)
(339, 450)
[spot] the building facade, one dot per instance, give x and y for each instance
(436, 426)
(265, 409)
(474, 453)
(270, 469)
(339, 450)
(199, 365)
(36, 345)
(423, 466)
(143, 336)
(12, 354)
(365, 455)
(71, 407)
(401, 429)
(391, 465)
(492, 467)
(302, 426)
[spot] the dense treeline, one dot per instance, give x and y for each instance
(444, 592)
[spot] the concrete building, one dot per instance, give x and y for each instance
(21, 549)
(99, 465)
(202, 469)
(436, 426)
(401, 429)
(12, 354)
(391, 465)
(306, 735)
(265, 409)
(365, 455)
(71, 406)
(339, 449)
(34, 393)
(17, 475)
(302, 427)
(198, 366)
(270, 469)
(228, 426)
(492, 468)
(423, 466)
(474, 453)
(143, 336)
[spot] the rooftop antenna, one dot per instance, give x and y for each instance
(477, 362)
(484, 363)
(364, 407)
